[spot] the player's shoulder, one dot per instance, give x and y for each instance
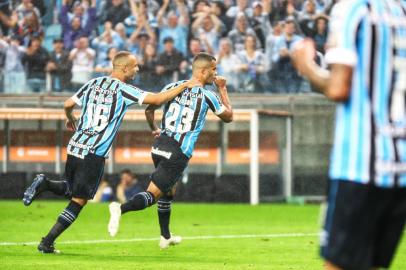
(172, 85)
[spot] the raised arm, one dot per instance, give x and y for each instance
(227, 115)
(335, 84)
(162, 11)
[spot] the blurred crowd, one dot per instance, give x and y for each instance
(57, 45)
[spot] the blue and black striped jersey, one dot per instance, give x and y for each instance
(370, 133)
(184, 117)
(104, 101)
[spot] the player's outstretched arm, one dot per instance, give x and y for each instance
(163, 97)
(335, 84)
(227, 115)
(68, 106)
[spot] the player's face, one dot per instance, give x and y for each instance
(131, 68)
(211, 72)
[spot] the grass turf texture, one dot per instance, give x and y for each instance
(280, 249)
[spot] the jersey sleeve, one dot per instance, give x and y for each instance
(346, 17)
(79, 96)
(133, 95)
(214, 102)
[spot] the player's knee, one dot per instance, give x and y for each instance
(80, 201)
(167, 197)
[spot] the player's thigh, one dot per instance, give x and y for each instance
(350, 225)
(391, 227)
(87, 176)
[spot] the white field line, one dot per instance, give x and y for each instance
(202, 237)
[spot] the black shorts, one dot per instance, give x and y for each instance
(363, 225)
(169, 162)
(84, 175)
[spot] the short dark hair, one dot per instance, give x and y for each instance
(202, 60)
(127, 171)
(168, 39)
(204, 56)
(119, 56)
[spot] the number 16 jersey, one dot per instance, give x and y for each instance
(184, 117)
(104, 101)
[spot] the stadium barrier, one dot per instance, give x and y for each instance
(34, 140)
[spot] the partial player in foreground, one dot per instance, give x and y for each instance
(104, 101)
(183, 120)
(366, 210)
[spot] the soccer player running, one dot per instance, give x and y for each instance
(366, 210)
(104, 101)
(183, 120)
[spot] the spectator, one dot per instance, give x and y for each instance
(226, 63)
(207, 27)
(260, 22)
(14, 74)
(269, 51)
(26, 8)
(138, 42)
(251, 67)
(120, 37)
(280, 10)
(241, 7)
(103, 43)
(82, 58)
(141, 36)
(128, 186)
(116, 13)
(168, 62)
(306, 18)
(105, 67)
(35, 60)
(240, 31)
(199, 7)
(5, 14)
(219, 9)
(60, 68)
(176, 28)
(29, 27)
(104, 192)
(286, 79)
(140, 9)
(73, 29)
(320, 33)
(147, 65)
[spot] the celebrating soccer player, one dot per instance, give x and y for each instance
(104, 101)
(367, 193)
(183, 120)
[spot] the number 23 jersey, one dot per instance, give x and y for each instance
(184, 117)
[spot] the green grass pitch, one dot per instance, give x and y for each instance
(216, 237)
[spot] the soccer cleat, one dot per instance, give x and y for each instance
(32, 192)
(165, 243)
(115, 214)
(47, 248)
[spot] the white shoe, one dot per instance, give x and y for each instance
(165, 243)
(115, 214)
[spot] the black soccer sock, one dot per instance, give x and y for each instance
(164, 215)
(60, 188)
(65, 219)
(140, 201)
